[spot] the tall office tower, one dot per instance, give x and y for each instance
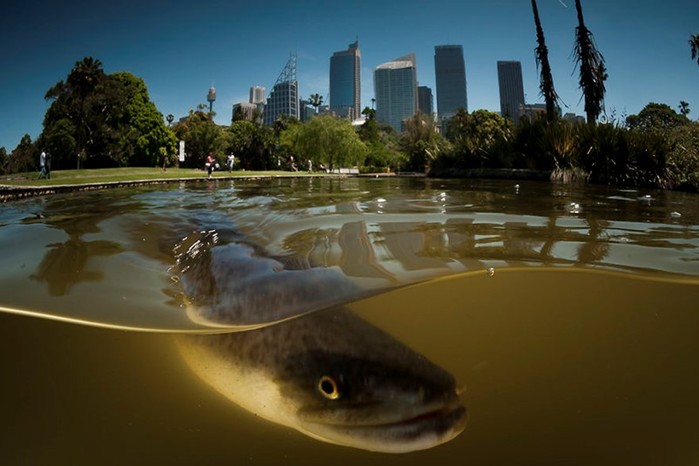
(257, 95)
(345, 82)
(511, 89)
(284, 98)
(450, 77)
(424, 100)
(395, 90)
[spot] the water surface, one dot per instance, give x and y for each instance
(568, 314)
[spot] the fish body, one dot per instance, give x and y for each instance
(334, 377)
(294, 356)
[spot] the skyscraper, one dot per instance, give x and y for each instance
(345, 82)
(450, 77)
(395, 90)
(284, 98)
(424, 100)
(511, 89)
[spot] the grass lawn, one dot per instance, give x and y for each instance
(108, 175)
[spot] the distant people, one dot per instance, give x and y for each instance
(310, 165)
(292, 164)
(44, 170)
(210, 164)
(230, 162)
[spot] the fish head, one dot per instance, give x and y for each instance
(372, 404)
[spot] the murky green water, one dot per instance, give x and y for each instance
(567, 316)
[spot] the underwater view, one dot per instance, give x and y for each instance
(343, 320)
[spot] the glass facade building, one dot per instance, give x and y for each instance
(395, 91)
(450, 78)
(425, 100)
(511, 89)
(345, 82)
(284, 98)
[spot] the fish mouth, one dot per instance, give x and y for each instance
(420, 431)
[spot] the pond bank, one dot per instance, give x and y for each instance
(13, 192)
(493, 173)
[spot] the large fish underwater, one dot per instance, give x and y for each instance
(299, 359)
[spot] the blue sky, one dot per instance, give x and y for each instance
(180, 48)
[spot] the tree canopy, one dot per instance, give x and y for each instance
(101, 119)
(326, 140)
(655, 116)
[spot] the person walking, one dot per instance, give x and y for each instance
(210, 162)
(43, 173)
(230, 162)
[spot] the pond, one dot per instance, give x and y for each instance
(324, 320)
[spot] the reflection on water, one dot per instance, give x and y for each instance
(562, 360)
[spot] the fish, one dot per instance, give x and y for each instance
(334, 377)
(294, 354)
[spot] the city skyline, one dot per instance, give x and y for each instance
(181, 49)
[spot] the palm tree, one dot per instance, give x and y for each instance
(542, 61)
(694, 46)
(684, 108)
(593, 72)
(316, 100)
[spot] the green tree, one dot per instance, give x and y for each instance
(104, 119)
(72, 100)
(682, 168)
(477, 138)
(656, 117)
(325, 140)
(58, 139)
(383, 148)
(593, 71)
(684, 108)
(143, 136)
(4, 160)
(253, 144)
(694, 46)
(421, 142)
(201, 136)
(24, 158)
(546, 87)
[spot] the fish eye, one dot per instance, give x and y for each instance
(328, 388)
